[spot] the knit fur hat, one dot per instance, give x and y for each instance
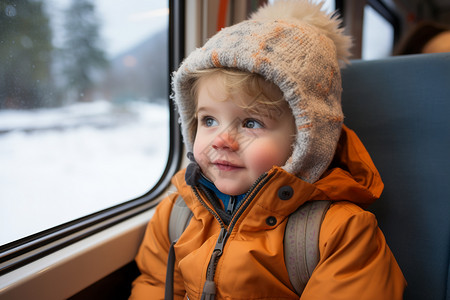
(299, 48)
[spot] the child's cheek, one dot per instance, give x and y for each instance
(264, 157)
(200, 153)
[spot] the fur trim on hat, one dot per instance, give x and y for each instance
(296, 46)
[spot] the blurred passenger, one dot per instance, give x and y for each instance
(425, 37)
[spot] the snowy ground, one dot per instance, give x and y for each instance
(57, 165)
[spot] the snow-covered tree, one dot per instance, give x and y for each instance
(83, 54)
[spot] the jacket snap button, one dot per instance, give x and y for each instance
(271, 221)
(285, 192)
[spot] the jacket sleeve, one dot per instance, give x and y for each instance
(152, 257)
(356, 262)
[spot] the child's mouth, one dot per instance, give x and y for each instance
(226, 166)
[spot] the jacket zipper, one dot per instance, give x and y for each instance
(209, 289)
(256, 187)
(216, 216)
(231, 204)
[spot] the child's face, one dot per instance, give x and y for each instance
(235, 145)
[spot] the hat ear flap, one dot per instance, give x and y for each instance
(193, 171)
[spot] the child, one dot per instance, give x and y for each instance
(260, 109)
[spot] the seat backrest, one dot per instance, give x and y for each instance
(400, 108)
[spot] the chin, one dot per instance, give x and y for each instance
(232, 191)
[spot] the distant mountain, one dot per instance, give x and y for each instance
(140, 73)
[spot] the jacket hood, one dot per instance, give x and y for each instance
(352, 176)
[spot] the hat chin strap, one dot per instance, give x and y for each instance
(193, 171)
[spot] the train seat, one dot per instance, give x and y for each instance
(400, 108)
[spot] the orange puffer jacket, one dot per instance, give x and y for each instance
(355, 261)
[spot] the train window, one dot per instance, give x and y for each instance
(378, 35)
(84, 113)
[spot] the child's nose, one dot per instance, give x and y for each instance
(226, 140)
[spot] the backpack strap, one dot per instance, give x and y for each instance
(179, 219)
(301, 242)
(168, 290)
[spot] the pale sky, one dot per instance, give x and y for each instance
(129, 22)
(125, 22)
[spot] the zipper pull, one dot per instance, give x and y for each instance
(221, 241)
(209, 289)
(231, 205)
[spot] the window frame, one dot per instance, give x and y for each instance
(388, 15)
(24, 251)
(352, 13)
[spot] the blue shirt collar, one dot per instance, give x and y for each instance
(225, 198)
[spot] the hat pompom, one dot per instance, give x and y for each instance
(310, 13)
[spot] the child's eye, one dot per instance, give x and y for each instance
(251, 123)
(209, 121)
